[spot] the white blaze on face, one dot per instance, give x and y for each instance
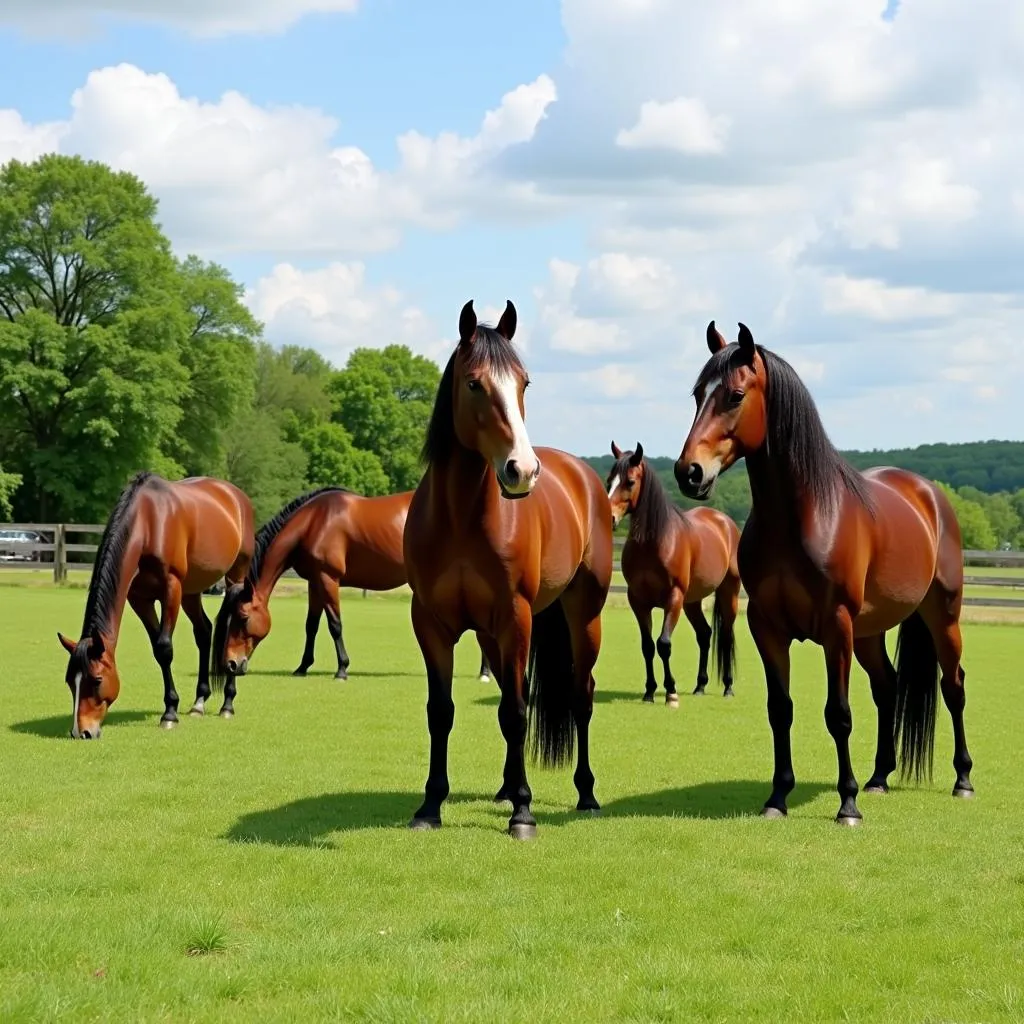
(709, 394)
(614, 485)
(522, 454)
(78, 696)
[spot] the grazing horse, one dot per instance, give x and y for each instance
(673, 560)
(331, 538)
(165, 542)
(837, 557)
(517, 545)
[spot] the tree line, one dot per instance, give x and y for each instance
(117, 356)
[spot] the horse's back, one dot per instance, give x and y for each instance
(362, 540)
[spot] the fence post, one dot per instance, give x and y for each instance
(60, 555)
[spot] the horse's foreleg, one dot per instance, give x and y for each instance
(313, 612)
(643, 620)
(695, 615)
(874, 659)
(202, 631)
(673, 607)
(774, 650)
(438, 649)
(512, 718)
(163, 649)
(838, 718)
(332, 609)
(583, 612)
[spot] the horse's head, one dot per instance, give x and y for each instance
(625, 481)
(93, 680)
(732, 413)
(242, 622)
(488, 382)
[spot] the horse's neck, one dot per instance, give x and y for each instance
(277, 557)
(466, 488)
(779, 505)
(127, 571)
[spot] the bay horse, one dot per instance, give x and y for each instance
(673, 559)
(164, 542)
(516, 544)
(836, 557)
(331, 537)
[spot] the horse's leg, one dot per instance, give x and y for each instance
(438, 649)
(227, 708)
(145, 609)
(945, 630)
(485, 668)
(773, 648)
(874, 659)
(512, 718)
(673, 607)
(838, 718)
(163, 649)
(727, 607)
(332, 609)
(695, 614)
(583, 612)
(202, 630)
(315, 608)
(643, 619)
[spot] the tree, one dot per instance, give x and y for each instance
(219, 355)
(8, 485)
(975, 530)
(270, 469)
(334, 461)
(90, 330)
(384, 398)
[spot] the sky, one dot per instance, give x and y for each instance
(843, 176)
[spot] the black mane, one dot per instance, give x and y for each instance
(489, 348)
(654, 510)
(796, 440)
(270, 529)
(106, 569)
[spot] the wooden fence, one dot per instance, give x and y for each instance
(53, 554)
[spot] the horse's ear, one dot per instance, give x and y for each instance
(715, 340)
(746, 340)
(68, 645)
(638, 455)
(96, 646)
(616, 450)
(507, 324)
(246, 594)
(467, 324)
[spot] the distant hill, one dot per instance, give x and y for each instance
(989, 466)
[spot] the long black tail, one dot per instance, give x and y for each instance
(218, 670)
(917, 691)
(723, 642)
(550, 678)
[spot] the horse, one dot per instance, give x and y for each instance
(673, 560)
(331, 537)
(165, 542)
(837, 557)
(515, 543)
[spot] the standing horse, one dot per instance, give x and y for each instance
(165, 542)
(837, 557)
(331, 538)
(673, 560)
(531, 576)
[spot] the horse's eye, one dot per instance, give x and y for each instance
(474, 385)
(735, 397)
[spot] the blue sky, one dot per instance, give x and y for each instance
(844, 180)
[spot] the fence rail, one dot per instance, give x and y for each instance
(26, 554)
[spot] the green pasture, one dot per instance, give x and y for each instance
(259, 869)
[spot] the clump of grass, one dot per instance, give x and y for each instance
(206, 937)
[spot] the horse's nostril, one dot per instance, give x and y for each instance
(512, 471)
(232, 666)
(694, 474)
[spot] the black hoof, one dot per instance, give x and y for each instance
(341, 674)
(772, 813)
(588, 804)
(649, 697)
(225, 713)
(729, 693)
(300, 671)
(425, 824)
(848, 820)
(963, 792)
(698, 691)
(876, 787)
(522, 830)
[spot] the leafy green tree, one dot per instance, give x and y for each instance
(219, 354)
(90, 331)
(270, 469)
(976, 531)
(334, 461)
(384, 398)
(9, 483)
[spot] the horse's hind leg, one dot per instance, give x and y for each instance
(695, 614)
(673, 607)
(202, 630)
(940, 612)
(643, 619)
(874, 659)
(313, 612)
(332, 610)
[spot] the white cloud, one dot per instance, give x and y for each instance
(877, 301)
(234, 176)
(683, 124)
(200, 17)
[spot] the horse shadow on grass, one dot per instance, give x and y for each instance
(311, 820)
(610, 696)
(324, 673)
(59, 726)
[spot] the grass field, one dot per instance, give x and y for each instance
(259, 869)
